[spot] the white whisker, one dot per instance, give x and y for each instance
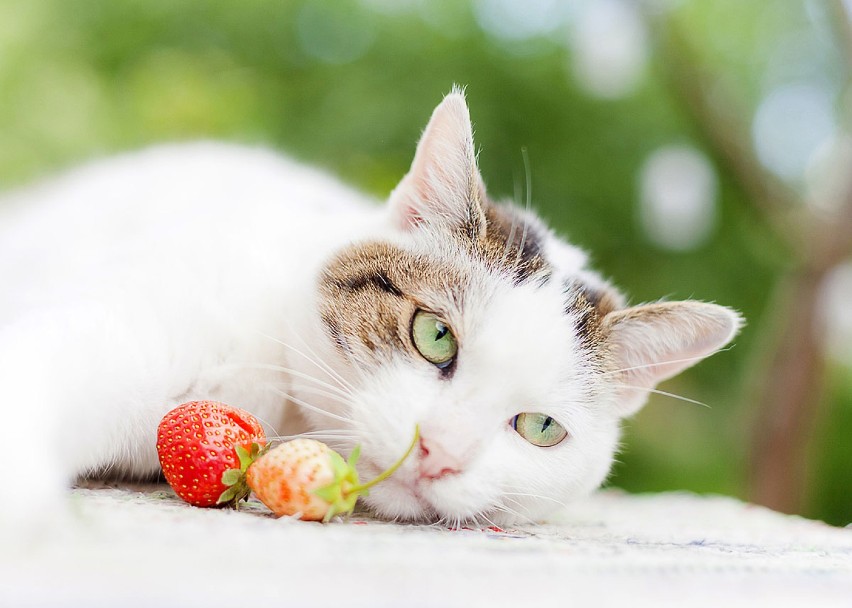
(315, 360)
(308, 406)
(511, 238)
(267, 423)
(318, 391)
(664, 393)
(297, 374)
(527, 206)
(327, 435)
(536, 496)
(341, 379)
(488, 521)
(510, 511)
(686, 360)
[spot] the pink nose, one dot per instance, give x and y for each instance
(435, 461)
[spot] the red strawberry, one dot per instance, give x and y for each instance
(198, 441)
(305, 476)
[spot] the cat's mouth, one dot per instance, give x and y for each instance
(400, 497)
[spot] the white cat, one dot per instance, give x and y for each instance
(210, 271)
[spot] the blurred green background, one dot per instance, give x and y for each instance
(624, 160)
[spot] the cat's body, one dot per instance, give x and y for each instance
(207, 271)
(211, 254)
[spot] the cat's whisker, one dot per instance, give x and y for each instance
(330, 436)
(514, 513)
(307, 405)
(536, 496)
(527, 206)
(329, 369)
(511, 239)
(267, 423)
(325, 432)
(353, 363)
(515, 501)
(664, 394)
(297, 374)
(315, 360)
(489, 522)
(318, 391)
(285, 370)
(661, 363)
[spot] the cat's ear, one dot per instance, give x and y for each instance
(653, 342)
(443, 188)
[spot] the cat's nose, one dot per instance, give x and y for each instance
(436, 461)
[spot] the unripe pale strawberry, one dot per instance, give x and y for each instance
(288, 476)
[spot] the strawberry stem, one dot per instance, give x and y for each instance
(387, 473)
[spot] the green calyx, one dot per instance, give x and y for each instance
(342, 493)
(235, 479)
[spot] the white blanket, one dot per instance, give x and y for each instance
(141, 546)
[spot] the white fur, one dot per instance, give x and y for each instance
(137, 283)
(188, 272)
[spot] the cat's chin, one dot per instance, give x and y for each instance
(397, 500)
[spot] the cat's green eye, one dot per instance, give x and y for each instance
(433, 338)
(539, 429)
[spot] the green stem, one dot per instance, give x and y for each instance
(392, 469)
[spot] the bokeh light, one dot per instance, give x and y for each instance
(836, 313)
(790, 125)
(512, 20)
(677, 198)
(609, 45)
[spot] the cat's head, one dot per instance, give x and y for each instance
(475, 322)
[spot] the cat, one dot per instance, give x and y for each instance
(215, 271)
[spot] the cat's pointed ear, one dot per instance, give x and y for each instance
(653, 342)
(443, 187)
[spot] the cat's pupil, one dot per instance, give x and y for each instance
(547, 422)
(441, 330)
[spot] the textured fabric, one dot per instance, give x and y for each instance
(141, 546)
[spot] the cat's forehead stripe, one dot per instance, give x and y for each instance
(514, 244)
(371, 278)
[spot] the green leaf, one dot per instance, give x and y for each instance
(244, 456)
(354, 456)
(338, 465)
(231, 476)
(329, 493)
(228, 495)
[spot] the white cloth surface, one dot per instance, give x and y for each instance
(138, 545)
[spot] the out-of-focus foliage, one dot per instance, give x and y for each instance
(349, 85)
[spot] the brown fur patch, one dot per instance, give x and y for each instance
(589, 306)
(369, 294)
(513, 244)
